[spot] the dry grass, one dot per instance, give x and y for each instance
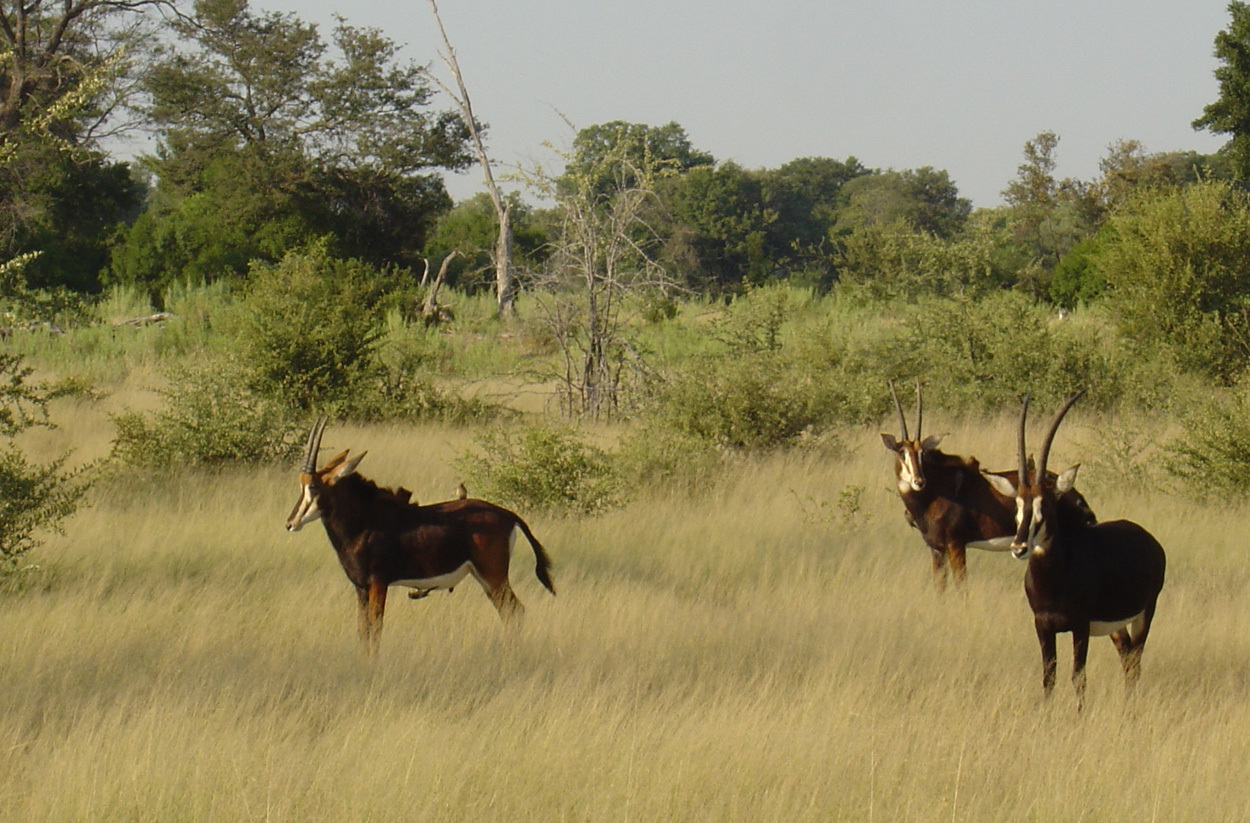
(766, 653)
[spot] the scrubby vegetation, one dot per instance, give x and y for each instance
(684, 401)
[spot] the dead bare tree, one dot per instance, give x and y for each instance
(598, 269)
(505, 279)
(430, 310)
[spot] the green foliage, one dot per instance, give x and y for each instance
(1211, 456)
(750, 400)
(33, 497)
(1076, 280)
(897, 261)
(542, 468)
(211, 418)
(1176, 274)
(925, 200)
(310, 330)
(1230, 114)
(665, 460)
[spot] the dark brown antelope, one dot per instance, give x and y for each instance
(950, 501)
(1087, 579)
(383, 540)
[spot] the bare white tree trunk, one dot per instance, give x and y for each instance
(505, 280)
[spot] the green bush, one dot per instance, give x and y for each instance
(656, 457)
(1176, 276)
(745, 400)
(33, 497)
(542, 468)
(310, 329)
(1210, 458)
(211, 418)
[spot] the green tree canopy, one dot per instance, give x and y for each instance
(1174, 263)
(1230, 114)
(271, 136)
(63, 76)
(926, 199)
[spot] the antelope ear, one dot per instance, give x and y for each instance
(932, 442)
(1067, 480)
(334, 462)
(889, 441)
(347, 468)
(1000, 484)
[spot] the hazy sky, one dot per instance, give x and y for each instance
(957, 85)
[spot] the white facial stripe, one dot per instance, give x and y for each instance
(1037, 528)
(910, 472)
(305, 512)
(1019, 512)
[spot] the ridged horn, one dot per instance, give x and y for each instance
(902, 421)
(919, 411)
(1050, 435)
(1024, 460)
(314, 445)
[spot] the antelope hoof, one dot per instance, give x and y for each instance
(417, 594)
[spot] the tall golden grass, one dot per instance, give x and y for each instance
(770, 650)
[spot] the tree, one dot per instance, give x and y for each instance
(1174, 266)
(471, 229)
(719, 235)
(505, 281)
(1230, 114)
(260, 116)
(1051, 215)
(926, 199)
(63, 78)
(599, 259)
(805, 194)
(665, 149)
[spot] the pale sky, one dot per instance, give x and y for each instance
(957, 85)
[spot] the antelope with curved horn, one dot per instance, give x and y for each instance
(949, 500)
(1083, 578)
(383, 540)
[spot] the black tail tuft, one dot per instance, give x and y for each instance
(543, 563)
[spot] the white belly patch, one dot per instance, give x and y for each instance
(442, 581)
(1098, 628)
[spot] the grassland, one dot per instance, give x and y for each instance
(769, 649)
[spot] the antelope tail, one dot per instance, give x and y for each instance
(543, 563)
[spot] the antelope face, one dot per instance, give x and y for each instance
(909, 460)
(306, 509)
(1032, 535)
(1035, 511)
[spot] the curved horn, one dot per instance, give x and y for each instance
(902, 421)
(1050, 435)
(1024, 461)
(313, 445)
(919, 410)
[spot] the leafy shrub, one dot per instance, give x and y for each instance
(32, 496)
(657, 457)
(744, 401)
(1176, 278)
(542, 468)
(1210, 458)
(211, 418)
(310, 328)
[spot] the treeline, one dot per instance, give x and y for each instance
(267, 136)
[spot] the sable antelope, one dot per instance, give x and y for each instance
(1084, 578)
(950, 501)
(382, 540)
